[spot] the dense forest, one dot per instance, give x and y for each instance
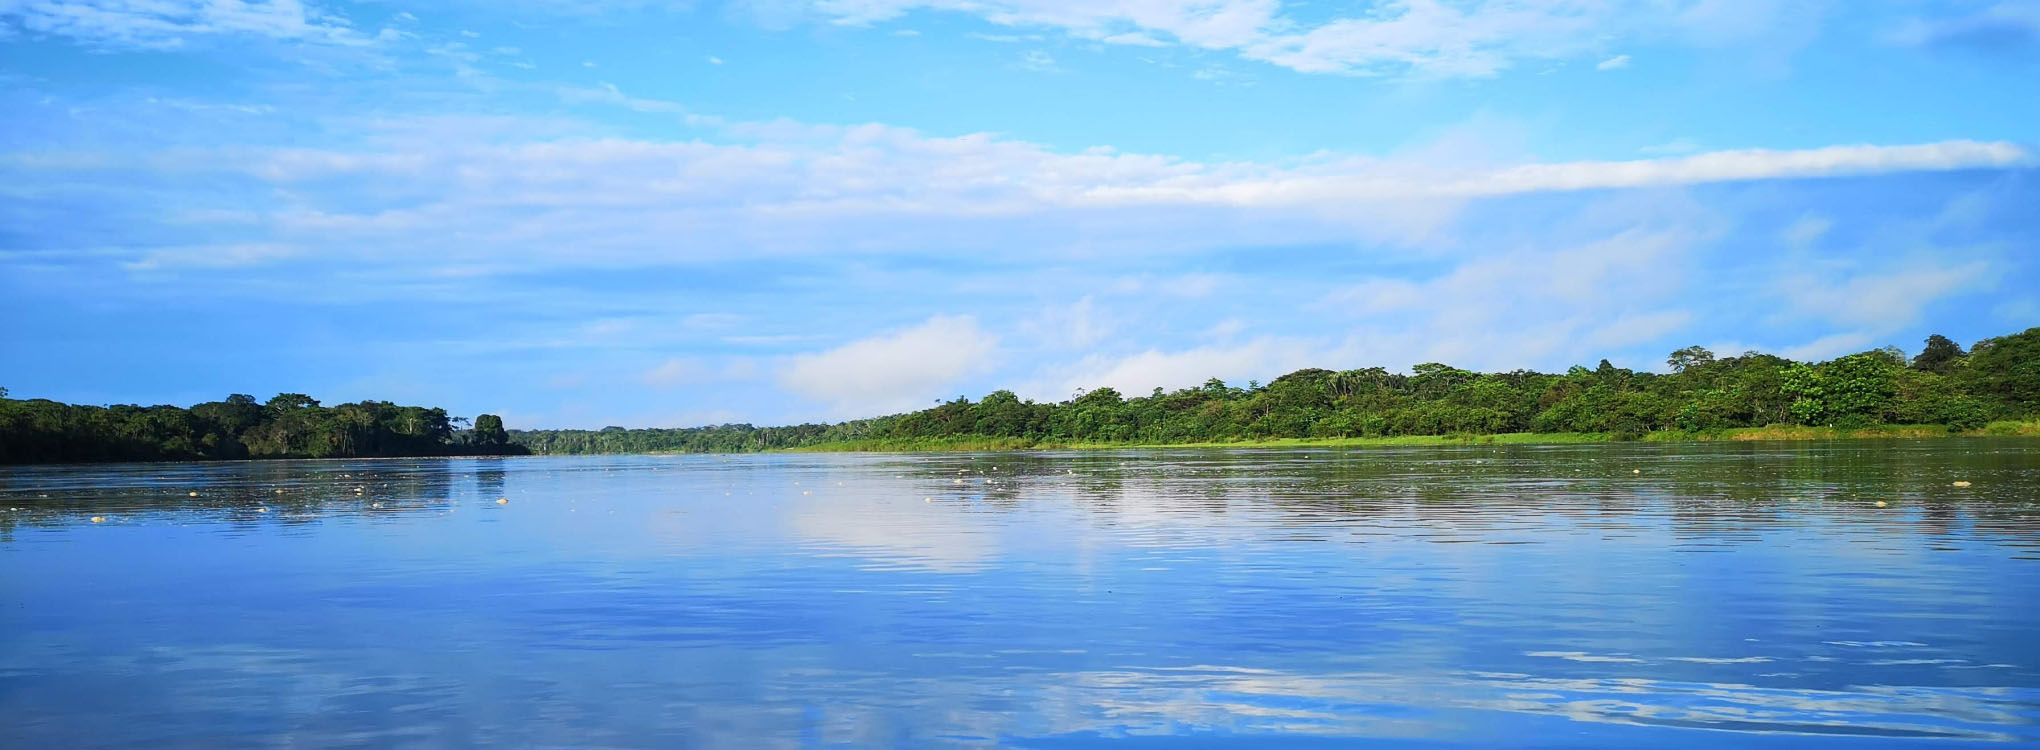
(291, 425)
(1996, 379)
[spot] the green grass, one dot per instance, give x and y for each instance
(1775, 432)
(2012, 429)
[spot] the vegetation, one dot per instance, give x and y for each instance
(1776, 432)
(291, 425)
(1944, 390)
(1993, 388)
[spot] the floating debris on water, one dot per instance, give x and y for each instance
(502, 501)
(194, 493)
(99, 519)
(1961, 483)
(1881, 503)
(262, 510)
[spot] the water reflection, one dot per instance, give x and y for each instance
(1609, 595)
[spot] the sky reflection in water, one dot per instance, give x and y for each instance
(1562, 596)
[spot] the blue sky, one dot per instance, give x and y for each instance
(643, 213)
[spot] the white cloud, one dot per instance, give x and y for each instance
(1395, 37)
(489, 198)
(1362, 180)
(894, 371)
(1617, 62)
(1614, 277)
(169, 23)
(1620, 283)
(1881, 301)
(1829, 346)
(1136, 374)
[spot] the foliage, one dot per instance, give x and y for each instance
(2006, 370)
(488, 433)
(1940, 355)
(1704, 395)
(291, 425)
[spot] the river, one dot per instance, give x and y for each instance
(1675, 595)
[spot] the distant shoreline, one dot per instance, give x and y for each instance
(1738, 434)
(973, 444)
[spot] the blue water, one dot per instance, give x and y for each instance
(1731, 595)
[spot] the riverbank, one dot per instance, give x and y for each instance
(1775, 432)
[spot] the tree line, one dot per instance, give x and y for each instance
(291, 425)
(1995, 379)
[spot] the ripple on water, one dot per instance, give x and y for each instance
(1616, 596)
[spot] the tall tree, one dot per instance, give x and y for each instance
(1688, 358)
(1940, 355)
(489, 433)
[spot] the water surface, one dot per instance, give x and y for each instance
(1698, 595)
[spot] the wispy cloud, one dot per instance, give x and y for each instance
(1386, 180)
(679, 371)
(1399, 37)
(210, 256)
(1881, 300)
(2005, 26)
(171, 23)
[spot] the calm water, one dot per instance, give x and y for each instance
(1579, 596)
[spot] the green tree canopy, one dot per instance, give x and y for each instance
(1940, 355)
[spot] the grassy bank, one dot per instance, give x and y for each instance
(1775, 432)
